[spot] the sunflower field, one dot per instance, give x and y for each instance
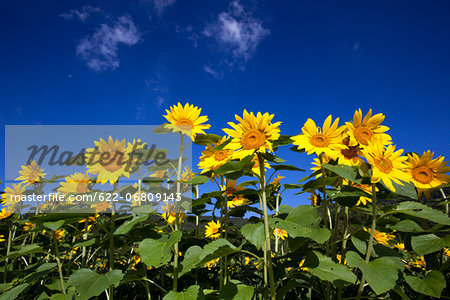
(377, 226)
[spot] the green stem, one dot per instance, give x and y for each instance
(61, 278)
(344, 246)
(111, 241)
(372, 233)
(8, 249)
(175, 247)
(266, 227)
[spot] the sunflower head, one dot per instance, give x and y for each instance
(212, 230)
(77, 183)
(327, 140)
(280, 233)
(186, 120)
(387, 164)
(234, 199)
(368, 129)
(31, 174)
(12, 196)
(109, 160)
(427, 172)
(252, 133)
(214, 156)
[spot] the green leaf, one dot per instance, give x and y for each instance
(14, 292)
(25, 250)
(286, 167)
(91, 284)
(231, 167)
(419, 210)
(192, 293)
(348, 195)
(381, 273)
(206, 139)
(69, 296)
(254, 233)
(282, 141)
(407, 189)
(199, 180)
(407, 226)
(302, 221)
(429, 243)
(196, 256)
(54, 225)
(85, 243)
(319, 183)
(326, 269)
(432, 285)
(155, 253)
(236, 291)
(129, 224)
(347, 172)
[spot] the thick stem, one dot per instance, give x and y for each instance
(266, 227)
(372, 233)
(175, 247)
(61, 278)
(111, 241)
(8, 249)
(344, 245)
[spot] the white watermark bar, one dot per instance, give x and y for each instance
(96, 169)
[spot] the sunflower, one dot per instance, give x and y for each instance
(362, 131)
(31, 174)
(213, 158)
(327, 141)
(381, 237)
(362, 201)
(427, 172)
(387, 164)
(186, 120)
(318, 166)
(276, 180)
(2, 238)
(60, 234)
(212, 230)
(315, 199)
(136, 159)
(252, 133)
(28, 225)
(12, 196)
(77, 183)
(101, 206)
(187, 174)
(400, 246)
(171, 215)
(109, 160)
(5, 213)
(236, 199)
(339, 258)
(280, 233)
(349, 155)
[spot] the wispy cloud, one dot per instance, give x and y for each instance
(158, 84)
(160, 5)
(100, 49)
(209, 69)
(80, 14)
(237, 33)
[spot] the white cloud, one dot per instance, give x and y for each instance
(209, 69)
(101, 48)
(237, 32)
(161, 5)
(81, 14)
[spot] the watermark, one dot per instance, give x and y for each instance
(102, 169)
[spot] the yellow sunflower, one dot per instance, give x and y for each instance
(136, 160)
(381, 237)
(327, 141)
(12, 196)
(109, 160)
(368, 129)
(31, 174)
(186, 120)
(317, 166)
(255, 168)
(5, 213)
(276, 181)
(60, 234)
(213, 158)
(236, 199)
(2, 238)
(77, 183)
(427, 172)
(387, 164)
(252, 133)
(171, 215)
(315, 199)
(365, 187)
(212, 230)
(280, 233)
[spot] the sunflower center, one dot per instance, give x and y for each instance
(319, 140)
(351, 152)
(220, 155)
(384, 164)
(253, 139)
(82, 187)
(422, 174)
(363, 134)
(114, 161)
(185, 124)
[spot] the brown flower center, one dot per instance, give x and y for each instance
(82, 187)
(351, 152)
(114, 161)
(319, 140)
(220, 155)
(185, 124)
(384, 164)
(253, 139)
(422, 174)
(363, 134)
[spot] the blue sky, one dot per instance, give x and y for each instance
(124, 62)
